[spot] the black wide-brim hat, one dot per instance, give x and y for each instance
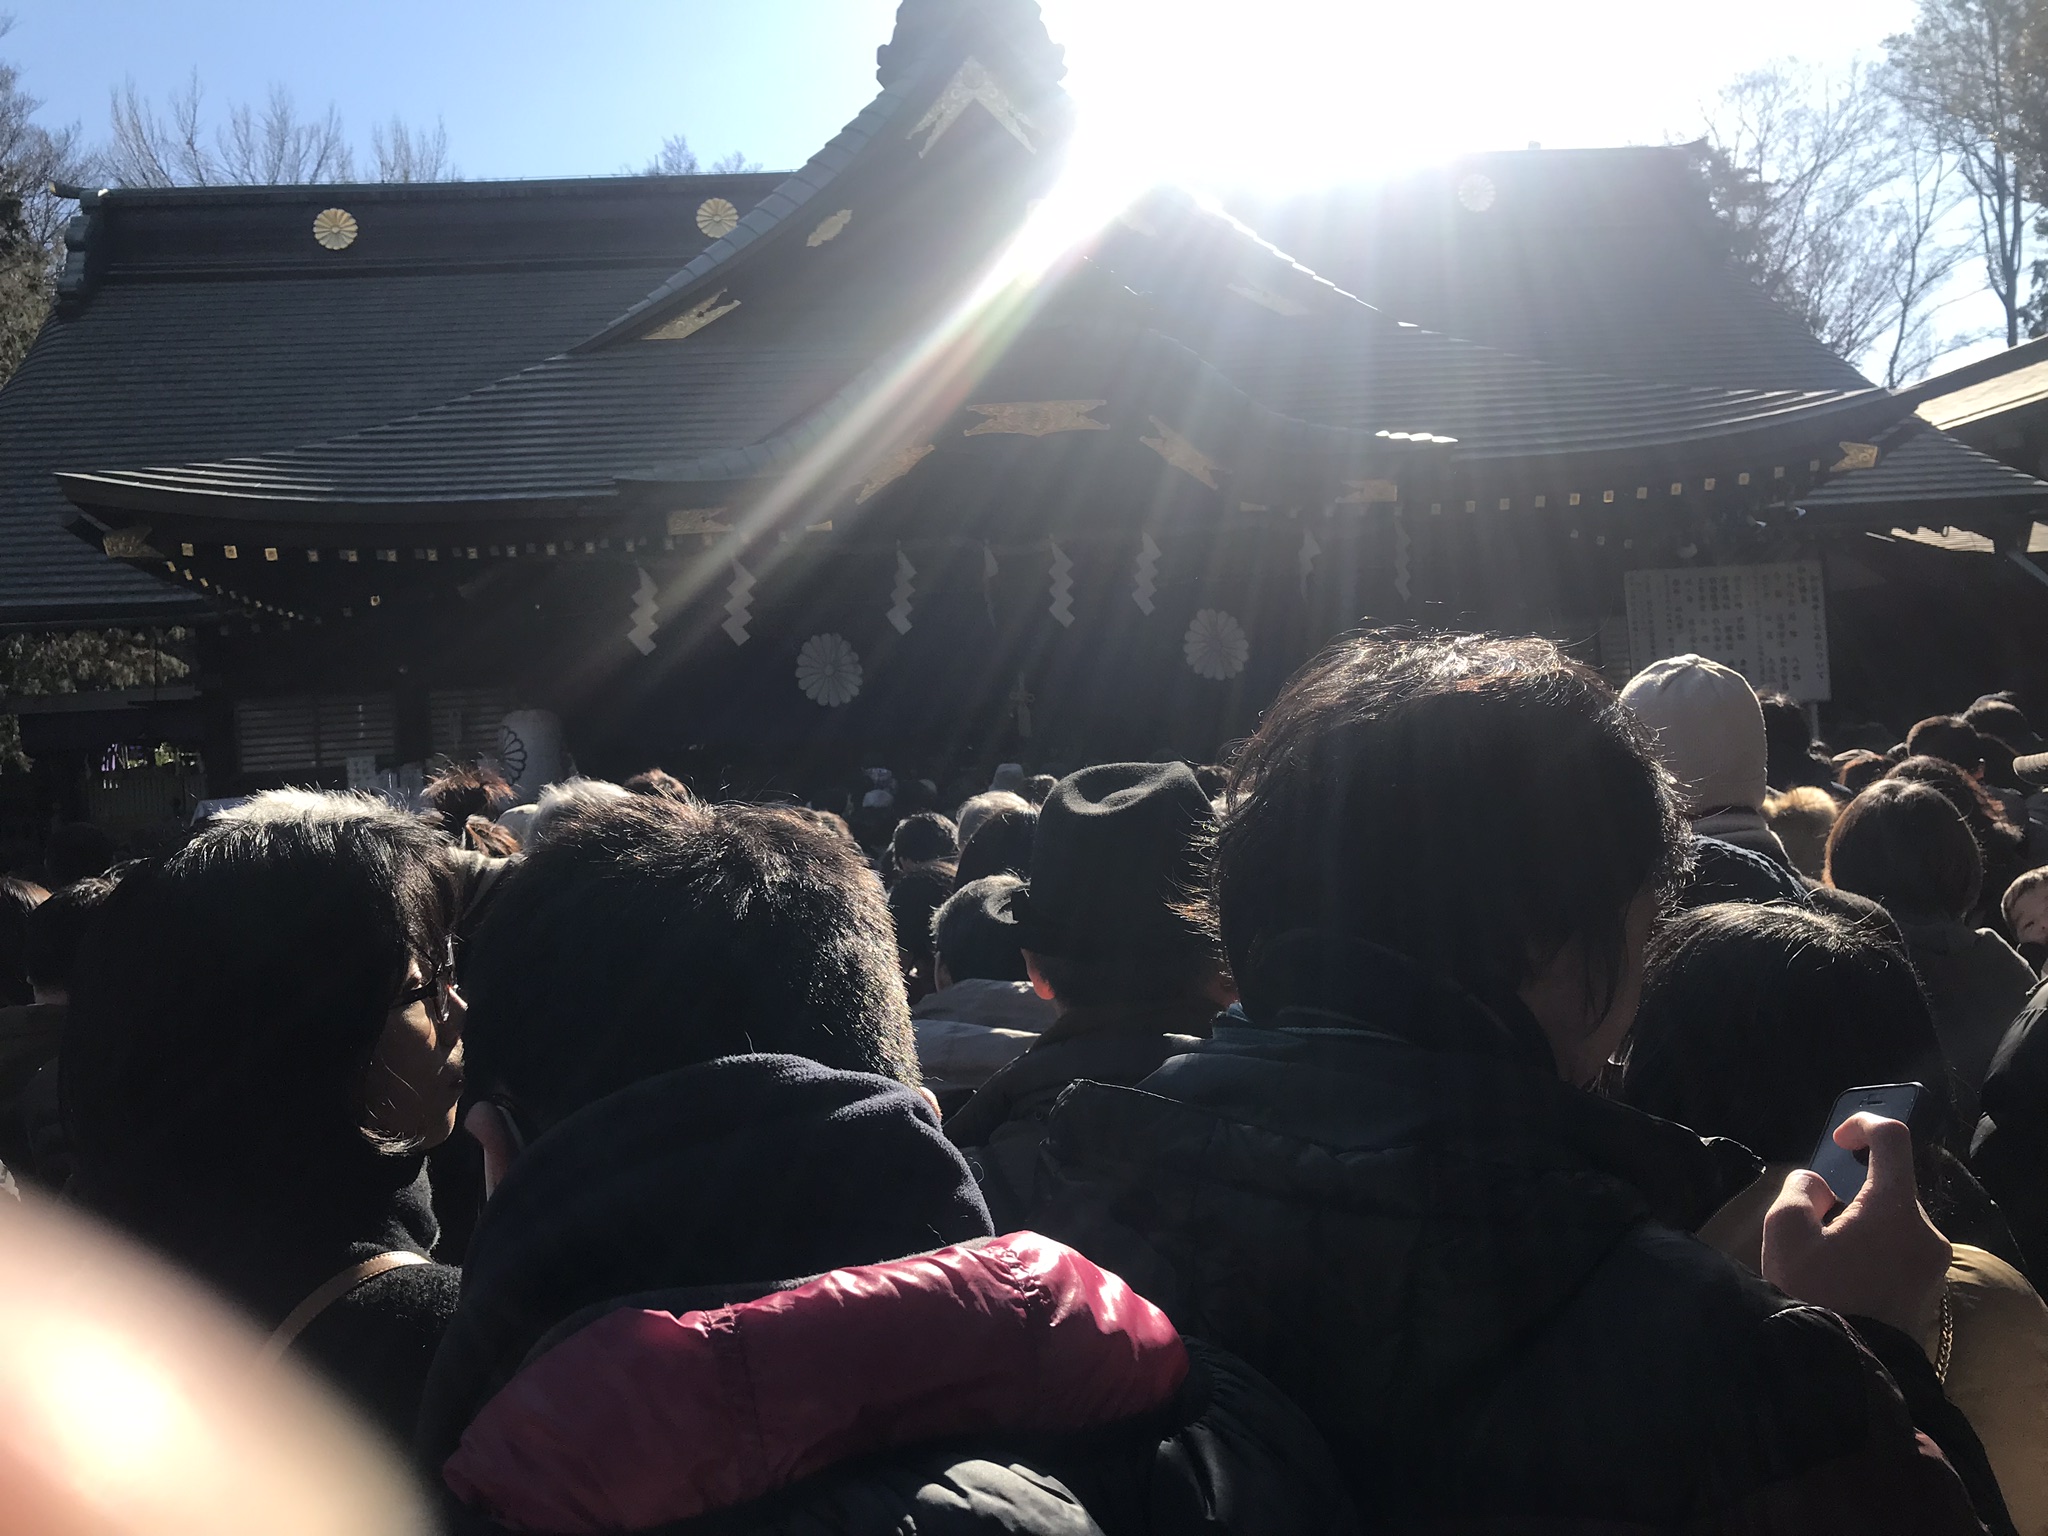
(1116, 858)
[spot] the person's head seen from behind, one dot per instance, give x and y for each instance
(18, 898)
(1754, 1018)
(56, 934)
(1950, 738)
(973, 941)
(1116, 863)
(1000, 846)
(1483, 809)
(643, 935)
(1902, 844)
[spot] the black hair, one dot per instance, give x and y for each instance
(460, 792)
(55, 933)
(18, 898)
(1903, 844)
(1788, 744)
(923, 838)
(914, 900)
(645, 935)
(1754, 1018)
(1997, 715)
(1038, 788)
(659, 782)
(1859, 768)
(971, 942)
(1949, 737)
(1001, 846)
(78, 850)
(228, 1001)
(1998, 839)
(1470, 802)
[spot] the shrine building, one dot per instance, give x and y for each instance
(770, 475)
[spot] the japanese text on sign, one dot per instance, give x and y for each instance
(1768, 622)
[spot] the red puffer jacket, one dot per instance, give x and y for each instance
(1009, 1380)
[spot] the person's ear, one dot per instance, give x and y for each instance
(1038, 982)
(932, 1099)
(491, 1128)
(941, 977)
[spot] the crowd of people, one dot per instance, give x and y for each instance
(1409, 1127)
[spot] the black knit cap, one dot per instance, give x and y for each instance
(1118, 851)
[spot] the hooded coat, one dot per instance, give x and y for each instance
(654, 1333)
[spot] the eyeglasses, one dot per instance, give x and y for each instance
(437, 991)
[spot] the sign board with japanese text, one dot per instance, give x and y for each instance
(1768, 622)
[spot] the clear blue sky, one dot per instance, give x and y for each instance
(1300, 90)
(1224, 94)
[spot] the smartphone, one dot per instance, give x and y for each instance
(1845, 1171)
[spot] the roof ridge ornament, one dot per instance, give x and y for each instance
(922, 24)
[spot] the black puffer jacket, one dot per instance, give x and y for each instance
(1476, 1280)
(1002, 1126)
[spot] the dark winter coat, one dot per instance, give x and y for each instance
(1478, 1282)
(29, 1036)
(1002, 1126)
(2010, 1153)
(375, 1343)
(1004, 1385)
(1976, 984)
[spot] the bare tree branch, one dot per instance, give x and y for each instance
(1958, 74)
(674, 158)
(1834, 207)
(267, 145)
(404, 153)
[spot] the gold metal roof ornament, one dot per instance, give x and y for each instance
(335, 228)
(693, 320)
(1182, 454)
(1366, 493)
(717, 218)
(1037, 418)
(893, 468)
(972, 83)
(829, 228)
(1856, 456)
(698, 520)
(130, 543)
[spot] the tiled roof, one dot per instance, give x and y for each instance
(1606, 260)
(1991, 387)
(229, 331)
(1928, 474)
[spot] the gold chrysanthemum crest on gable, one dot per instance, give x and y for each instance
(717, 218)
(335, 228)
(972, 82)
(694, 319)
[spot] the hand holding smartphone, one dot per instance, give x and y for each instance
(1845, 1170)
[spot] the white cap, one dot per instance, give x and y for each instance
(1709, 730)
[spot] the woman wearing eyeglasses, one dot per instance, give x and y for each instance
(265, 1041)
